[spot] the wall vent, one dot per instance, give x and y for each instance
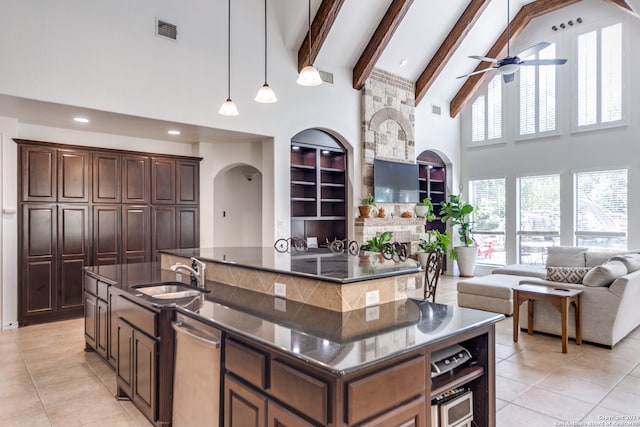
(326, 76)
(166, 29)
(436, 109)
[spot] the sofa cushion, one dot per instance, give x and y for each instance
(594, 258)
(493, 285)
(567, 274)
(631, 261)
(526, 270)
(605, 274)
(566, 256)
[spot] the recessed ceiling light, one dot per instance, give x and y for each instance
(81, 119)
(173, 132)
(295, 147)
(403, 62)
(325, 151)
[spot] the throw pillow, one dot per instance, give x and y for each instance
(566, 274)
(605, 274)
(565, 256)
(631, 261)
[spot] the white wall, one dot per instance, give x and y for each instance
(614, 148)
(105, 56)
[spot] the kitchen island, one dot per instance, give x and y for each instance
(300, 364)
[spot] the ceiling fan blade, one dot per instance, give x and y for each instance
(508, 77)
(533, 50)
(476, 72)
(544, 62)
(483, 58)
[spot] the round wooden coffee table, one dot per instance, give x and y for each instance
(561, 298)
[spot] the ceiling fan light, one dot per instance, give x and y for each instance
(508, 68)
(228, 108)
(309, 76)
(266, 95)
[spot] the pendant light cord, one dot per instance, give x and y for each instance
(265, 41)
(309, 21)
(229, 51)
(508, 29)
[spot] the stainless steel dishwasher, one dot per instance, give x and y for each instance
(196, 383)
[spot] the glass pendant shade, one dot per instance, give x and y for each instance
(266, 95)
(228, 108)
(309, 76)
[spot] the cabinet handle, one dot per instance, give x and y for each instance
(177, 326)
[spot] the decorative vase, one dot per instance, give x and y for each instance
(421, 211)
(381, 213)
(467, 256)
(422, 259)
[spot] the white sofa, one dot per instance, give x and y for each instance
(610, 298)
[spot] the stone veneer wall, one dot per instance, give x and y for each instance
(404, 229)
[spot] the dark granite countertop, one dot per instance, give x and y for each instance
(319, 264)
(338, 342)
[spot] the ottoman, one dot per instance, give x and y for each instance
(489, 293)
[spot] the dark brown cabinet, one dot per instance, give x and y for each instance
(95, 207)
(243, 406)
(432, 177)
(318, 186)
(96, 318)
(137, 357)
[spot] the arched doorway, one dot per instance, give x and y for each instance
(237, 193)
(432, 173)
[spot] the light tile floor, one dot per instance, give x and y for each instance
(46, 379)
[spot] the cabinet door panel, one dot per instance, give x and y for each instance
(90, 319)
(102, 330)
(144, 373)
(38, 174)
(163, 183)
(73, 254)
(124, 365)
(410, 415)
(281, 417)
(135, 234)
(135, 179)
(187, 228)
(73, 176)
(106, 234)
(106, 178)
(188, 182)
(112, 327)
(163, 229)
(243, 407)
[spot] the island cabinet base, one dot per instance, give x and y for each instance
(264, 387)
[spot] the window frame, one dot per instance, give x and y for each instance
(559, 74)
(468, 119)
(625, 77)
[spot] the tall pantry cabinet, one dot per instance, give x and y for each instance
(82, 207)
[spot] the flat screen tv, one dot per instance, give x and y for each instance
(395, 182)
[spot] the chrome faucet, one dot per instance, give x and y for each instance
(196, 270)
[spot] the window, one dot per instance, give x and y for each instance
(538, 95)
(539, 217)
(486, 113)
(601, 209)
(487, 196)
(600, 77)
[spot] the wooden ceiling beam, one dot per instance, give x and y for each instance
(320, 27)
(517, 25)
(379, 41)
(449, 46)
(624, 5)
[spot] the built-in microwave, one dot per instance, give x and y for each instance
(455, 412)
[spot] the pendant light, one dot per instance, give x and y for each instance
(228, 108)
(265, 94)
(309, 75)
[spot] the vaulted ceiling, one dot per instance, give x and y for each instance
(428, 34)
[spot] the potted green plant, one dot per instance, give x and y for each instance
(435, 242)
(424, 209)
(432, 259)
(456, 213)
(375, 243)
(365, 206)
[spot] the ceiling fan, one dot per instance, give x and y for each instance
(508, 65)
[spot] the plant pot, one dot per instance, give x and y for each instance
(422, 259)
(365, 211)
(467, 256)
(421, 211)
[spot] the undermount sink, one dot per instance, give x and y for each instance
(170, 290)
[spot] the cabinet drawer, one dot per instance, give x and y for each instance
(103, 291)
(386, 389)
(91, 285)
(138, 316)
(301, 391)
(246, 363)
